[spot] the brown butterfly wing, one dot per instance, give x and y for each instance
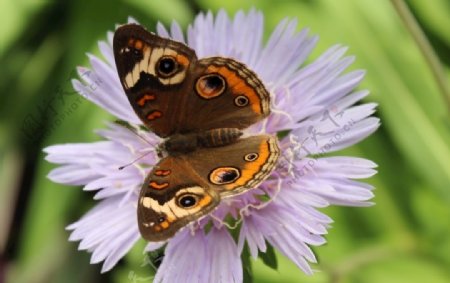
(172, 196)
(185, 188)
(155, 74)
(224, 94)
(196, 95)
(237, 167)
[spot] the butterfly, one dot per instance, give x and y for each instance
(199, 107)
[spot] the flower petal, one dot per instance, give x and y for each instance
(102, 86)
(282, 228)
(200, 258)
(226, 265)
(108, 230)
(186, 259)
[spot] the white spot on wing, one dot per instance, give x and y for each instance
(143, 65)
(156, 54)
(129, 81)
(136, 73)
(148, 65)
(170, 208)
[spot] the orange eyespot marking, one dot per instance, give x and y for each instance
(131, 42)
(164, 224)
(182, 60)
(162, 172)
(210, 86)
(145, 98)
(138, 44)
(205, 200)
(156, 186)
(224, 175)
(154, 115)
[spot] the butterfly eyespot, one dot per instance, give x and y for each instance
(166, 67)
(210, 86)
(241, 101)
(161, 219)
(187, 200)
(224, 175)
(251, 156)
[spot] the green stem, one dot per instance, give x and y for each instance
(425, 47)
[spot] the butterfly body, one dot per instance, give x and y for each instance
(185, 143)
(200, 108)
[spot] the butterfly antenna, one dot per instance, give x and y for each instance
(132, 162)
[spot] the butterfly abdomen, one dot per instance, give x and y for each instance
(219, 137)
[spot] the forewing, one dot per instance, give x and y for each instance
(155, 74)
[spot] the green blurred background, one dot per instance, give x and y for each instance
(404, 238)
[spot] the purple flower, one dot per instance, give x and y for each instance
(313, 103)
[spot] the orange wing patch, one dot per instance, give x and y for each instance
(154, 115)
(256, 171)
(238, 86)
(157, 186)
(135, 43)
(147, 97)
(162, 172)
(182, 60)
(163, 225)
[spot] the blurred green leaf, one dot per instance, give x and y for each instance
(269, 258)
(287, 272)
(17, 15)
(401, 269)
(11, 169)
(247, 265)
(165, 11)
(435, 15)
(433, 223)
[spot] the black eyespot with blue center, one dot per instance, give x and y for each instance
(166, 67)
(187, 200)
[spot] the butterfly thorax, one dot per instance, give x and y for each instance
(185, 143)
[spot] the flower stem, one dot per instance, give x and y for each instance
(425, 47)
